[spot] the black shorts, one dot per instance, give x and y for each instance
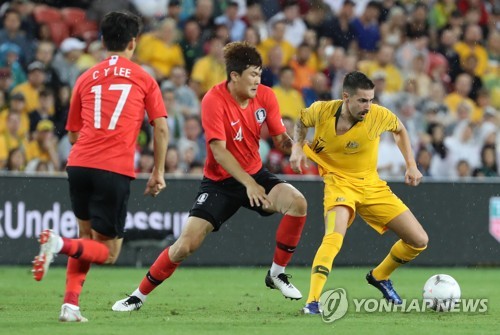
(217, 201)
(101, 197)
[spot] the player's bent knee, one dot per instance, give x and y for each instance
(299, 205)
(420, 241)
(183, 249)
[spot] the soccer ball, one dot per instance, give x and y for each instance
(441, 293)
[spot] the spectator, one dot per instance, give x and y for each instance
(423, 160)
(231, 20)
(463, 145)
(289, 99)
(172, 161)
(196, 169)
(418, 24)
(175, 118)
(9, 59)
(146, 162)
(209, 70)
(384, 62)
(366, 29)
(252, 36)
(417, 46)
(43, 147)
(440, 13)
(16, 160)
(96, 54)
(469, 66)
(192, 46)
(270, 72)
(294, 25)
(45, 54)
(193, 132)
(16, 105)
(174, 11)
(441, 164)
(465, 6)
(390, 161)
(277, 37)
(25, 9)
(463, 169)
(446, 47)
(159, 49)
(203, 15)
(303, 72)
(419, 75)
(340, 29)
(46, 98)
(185, 97)
(471, 44)
(9, 138)
(463, 87)
(32, 88)
(65, 60)
(489, 166)
(255, 18)
(12, 33)
(393, 31)
(319, 91)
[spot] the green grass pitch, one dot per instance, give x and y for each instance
(234, 301)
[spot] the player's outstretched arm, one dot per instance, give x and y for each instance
(156, 181)
(412, 176)
(283, 142)
(298, 157)
(256, 193)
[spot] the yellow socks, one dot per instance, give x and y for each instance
(323, 262)
(400, 254)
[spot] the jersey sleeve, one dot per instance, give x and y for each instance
(310, 115)
(273, 118)
(383, 120)
(211, 118)
(75, 121)
(153, 102)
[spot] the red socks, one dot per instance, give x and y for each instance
(76, 272)
(161, 269)
(85, 250)
(287, 238)
(82, 253)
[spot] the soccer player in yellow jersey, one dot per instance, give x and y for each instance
(345, 146)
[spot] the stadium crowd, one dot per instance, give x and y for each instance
(435, 64)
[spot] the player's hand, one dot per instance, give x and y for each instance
(298, 158)
(257, 196)
(413, 176)
(155, 185)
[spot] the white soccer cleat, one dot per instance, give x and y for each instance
(71, 313)
(48, 241)
(132, 303)
(281, 283)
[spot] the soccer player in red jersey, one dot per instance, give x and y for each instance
(105, 116)
(233, 114)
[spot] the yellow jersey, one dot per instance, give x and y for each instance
(353, 154)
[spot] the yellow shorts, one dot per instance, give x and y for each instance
(371, 198)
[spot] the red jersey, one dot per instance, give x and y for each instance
(223, 119)
(107, 108)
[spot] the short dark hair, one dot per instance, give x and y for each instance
(356, 80)
(118, 29)
(239, 56)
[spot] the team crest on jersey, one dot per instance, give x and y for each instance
(352, 145)
(260, 115)
(202, 198)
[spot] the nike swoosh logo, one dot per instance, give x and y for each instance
(234, 123)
